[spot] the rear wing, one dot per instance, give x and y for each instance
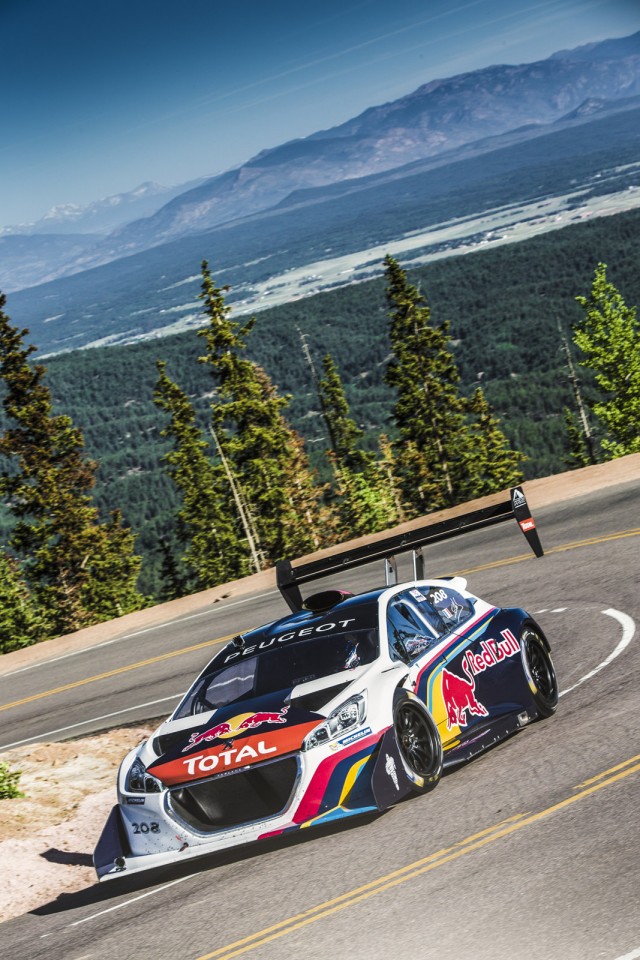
(289, 578)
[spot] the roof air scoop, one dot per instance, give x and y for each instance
(319, 602)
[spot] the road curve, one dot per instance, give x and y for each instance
(530, 851)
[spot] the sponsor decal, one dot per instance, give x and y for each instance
(526, 525)
(228, 756)
(417, 595)
(358, 735)
(518, 498)
(390, 767)
(208, 762)
(460, 700)
(458, 692)
(134, 801)
(491, 653)
(321, 628)
(453, 611)
(235, 726)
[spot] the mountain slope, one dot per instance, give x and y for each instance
(438, 124)
(437, 117)
(138, 296)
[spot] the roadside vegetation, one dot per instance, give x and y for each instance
(9, 782)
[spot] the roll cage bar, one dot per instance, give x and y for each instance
(289, 578)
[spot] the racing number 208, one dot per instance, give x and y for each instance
(153, 827)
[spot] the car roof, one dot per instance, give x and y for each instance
(358, 612)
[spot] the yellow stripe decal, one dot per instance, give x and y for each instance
(350, 779)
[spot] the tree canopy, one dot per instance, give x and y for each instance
(79, 570)
(609, 337)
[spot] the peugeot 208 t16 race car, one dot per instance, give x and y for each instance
(342, 707)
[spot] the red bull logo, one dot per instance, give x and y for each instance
(236, 725)
(460, 700)
(491, 653)
(459, 694)
(257, 719)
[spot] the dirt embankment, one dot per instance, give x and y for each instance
(47, 838)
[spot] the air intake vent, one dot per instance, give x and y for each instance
(241, 797)
(319, 602)
(315, 701)
(167, 741)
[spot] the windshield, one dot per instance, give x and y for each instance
(279, 669)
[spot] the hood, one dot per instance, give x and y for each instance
(232, 737)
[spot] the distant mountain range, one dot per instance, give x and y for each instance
(102, 216)
(443, 123)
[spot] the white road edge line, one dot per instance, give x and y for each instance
(83, 723)
(137, 633)
(628, 632)
(127, 903)
(630, 956)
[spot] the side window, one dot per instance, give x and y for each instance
(443, 608)
(409, 635)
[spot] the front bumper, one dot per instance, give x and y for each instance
(236, 808)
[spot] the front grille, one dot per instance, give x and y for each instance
(241, 797)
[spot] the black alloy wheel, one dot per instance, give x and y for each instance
(539, 667)
(419, 743)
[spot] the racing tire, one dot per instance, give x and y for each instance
(418, 742)
(539, 671)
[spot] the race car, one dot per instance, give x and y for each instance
(345, 706)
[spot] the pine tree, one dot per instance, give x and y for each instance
(21, 623)
(174, 579)
(365, 498)
(79, 570)
(494, 465)
(265, 456)
(344, 434)
(433, 452)
(206, 521)
(609, 337)
(578, 453)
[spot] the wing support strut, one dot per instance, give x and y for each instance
(289, 578)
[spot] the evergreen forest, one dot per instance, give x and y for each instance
(506, 311)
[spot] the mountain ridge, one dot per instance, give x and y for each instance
(435, 120)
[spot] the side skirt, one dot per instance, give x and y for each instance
(488, 737)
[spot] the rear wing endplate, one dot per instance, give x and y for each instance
(289, 578)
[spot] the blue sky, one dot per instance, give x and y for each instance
(100, 95)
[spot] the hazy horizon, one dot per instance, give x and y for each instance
(101, 99)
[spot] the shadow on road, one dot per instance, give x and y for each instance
(125, 886)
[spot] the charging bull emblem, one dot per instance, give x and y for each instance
(235, 726)
(460, 700)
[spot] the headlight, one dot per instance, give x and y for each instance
(139, 781)
(347, 716)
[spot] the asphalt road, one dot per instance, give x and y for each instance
(531, 851)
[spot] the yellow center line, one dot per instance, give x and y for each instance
(575, 545)
(199, 646)
(605, 773)
(413, 870)
(114, 673)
